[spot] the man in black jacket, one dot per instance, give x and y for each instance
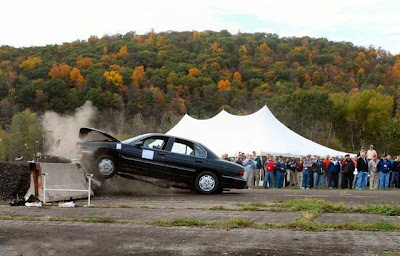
(348, 167)
(362, 168)
(395, 182)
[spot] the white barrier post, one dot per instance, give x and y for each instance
(89, 176)
(44, 187)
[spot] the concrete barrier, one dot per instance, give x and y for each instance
(59, 176)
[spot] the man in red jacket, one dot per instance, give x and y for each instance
(324, 182)
(269, 173)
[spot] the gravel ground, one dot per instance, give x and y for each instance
(73, 238)
(50, 238)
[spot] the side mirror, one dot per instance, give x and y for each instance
(138, 144)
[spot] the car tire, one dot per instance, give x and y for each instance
(106, 166)
(206, 183)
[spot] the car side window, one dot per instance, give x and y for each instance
(187, 148)
(155, 142)
(184, 148)
(199, 151)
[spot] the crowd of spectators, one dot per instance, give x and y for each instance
(363, 170)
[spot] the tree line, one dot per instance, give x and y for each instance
(335, 93)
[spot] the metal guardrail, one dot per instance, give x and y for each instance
(89, 176)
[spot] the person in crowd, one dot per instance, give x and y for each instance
(333, 174)
(355, 172)
(249, 167)
(371, 152)
(257, 171)
(373, 172)
(292, 166)
(224, 157)
(394, 182)
(362, 168)
(325, 175)
(389, 157)
(300, 172)
(318, 169)
(361, 151)
(348, 167)
(280, 168)
(307, 164)
(240, 158)
(269, 166)
(384, 167)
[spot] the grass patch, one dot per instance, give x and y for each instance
(312, 205)
(110, 206)
(218, 208)
(225, 224)
(146, 207)
(384, 209)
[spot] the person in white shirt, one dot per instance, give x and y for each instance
(371, 152)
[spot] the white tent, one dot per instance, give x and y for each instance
(260, 132)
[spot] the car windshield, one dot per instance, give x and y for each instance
(129, 141)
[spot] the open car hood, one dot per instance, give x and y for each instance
(91, 134)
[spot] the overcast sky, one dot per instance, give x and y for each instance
(41, 22)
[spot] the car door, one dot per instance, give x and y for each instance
(184, 159)
(145, 156)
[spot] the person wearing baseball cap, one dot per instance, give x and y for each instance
(384, 167)
(373, 172)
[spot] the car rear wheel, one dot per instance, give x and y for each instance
(106, 166)
(206, 183)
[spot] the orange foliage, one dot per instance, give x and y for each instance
(137, 39)
(76, 77)
(215, 47)
(114, 78)
(138, 76)
(194, 72)
(122, 52)
(115, 67)
(264, 47)
(60, 71)
(224, 85)
(85, 62)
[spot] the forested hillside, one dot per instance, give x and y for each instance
(335, 93)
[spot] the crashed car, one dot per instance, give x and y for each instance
(168, 158)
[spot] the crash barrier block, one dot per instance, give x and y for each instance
(14, 180)
(59, 176)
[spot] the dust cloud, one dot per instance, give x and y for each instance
(62, 131)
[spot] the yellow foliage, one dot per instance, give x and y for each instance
(194, 72)
(114, 78)
(196, 35)
(60, 71)
(31, 62)
(138, 76)
(238, 77)
(85, 62)
(105, 50)
(160, 40)
(215, 47)
(224, 85)
(243, 49)
(76, 77)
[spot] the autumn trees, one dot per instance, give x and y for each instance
(315, 86)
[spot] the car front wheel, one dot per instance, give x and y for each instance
(206, 183)
(106, 166)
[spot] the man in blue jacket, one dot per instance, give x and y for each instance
(333, 174)
(280, 167)
(384, 167)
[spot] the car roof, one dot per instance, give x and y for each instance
(180, 138)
